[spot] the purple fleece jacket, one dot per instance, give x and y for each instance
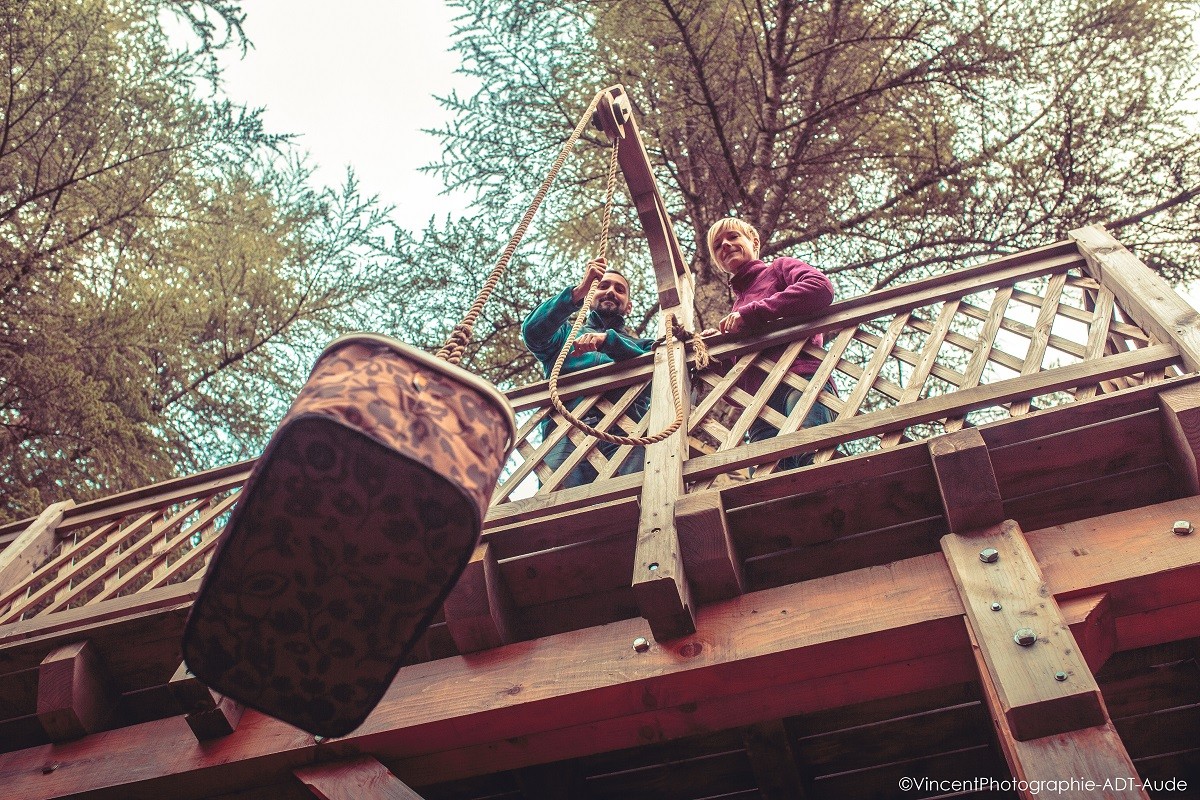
(787, 288)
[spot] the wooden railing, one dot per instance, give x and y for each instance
(1018, 334)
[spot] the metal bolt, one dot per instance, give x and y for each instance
(1060, 676)
(996, 606)
(318, 738)
(1025, 637)
(989, 556)
(654, 567)
(640, 644)
(48, 768)
(1182, 528)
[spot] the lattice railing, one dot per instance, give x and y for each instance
(1018, 334)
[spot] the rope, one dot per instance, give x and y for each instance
(675, 327)
(460, 337)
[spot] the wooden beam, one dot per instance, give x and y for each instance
(355, 779)
(660, 581)
(479, 610)
(773, 760)
(709, 556)
(208, 714)
(74, 698)
(966, 480)
(1181, 428)
(1043, 684)
(1143, 294)
(795, 649)
(1093, 626)
(1076, 765)
(27, 552)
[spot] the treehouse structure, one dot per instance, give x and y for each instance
(990, 574)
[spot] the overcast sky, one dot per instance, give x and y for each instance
(355, 80)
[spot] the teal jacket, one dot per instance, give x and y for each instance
(546, 328)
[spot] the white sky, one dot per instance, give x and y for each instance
(355, 80)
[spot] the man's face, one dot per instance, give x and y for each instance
(612, 295)
(733, 249)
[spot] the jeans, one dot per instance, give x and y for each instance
(584, 472)
(783, 400)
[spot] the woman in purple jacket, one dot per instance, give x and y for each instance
(785, 289)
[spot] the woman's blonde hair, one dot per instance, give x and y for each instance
(726, 224)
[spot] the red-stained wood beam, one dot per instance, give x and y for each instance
(73, 698)
(828, 642)
(1181, 428)
(355, 779)
(1075, 765)
(1042, 683)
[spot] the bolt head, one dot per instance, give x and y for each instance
(996, 606)
(640, 644)
(1060, 676)
(1182, 528)
(1025, 637)
(654, 567)
(989, 556)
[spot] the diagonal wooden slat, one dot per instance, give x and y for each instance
(924, 366)
(982, 351)
(1040, 337)
(1098, 335)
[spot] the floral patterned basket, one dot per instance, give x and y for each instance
(353, 527)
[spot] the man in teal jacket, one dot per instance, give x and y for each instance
(603, 339)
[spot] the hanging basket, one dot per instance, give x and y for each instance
(353, 527)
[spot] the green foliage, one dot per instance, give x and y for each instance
(881, 141)
(168, 273)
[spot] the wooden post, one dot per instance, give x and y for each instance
(355, 779)
(1181, 427)
(479, 610)
(1043, 684)
(970, 493)
(712, 562)
(19, 560)
(660, 582)
(73, 696)
(207, 713)
(1145, 296)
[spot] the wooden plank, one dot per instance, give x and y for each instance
(354, 779)
(571, 570)
(208, 714)
(966, 480)
(1082, 764)
(821, 559)
(1105, 494)
(1143, 294)
(74, 698)
(27, 552)
(929, 731)
(559, 780)
(709, 556)
(1181, 429)
(955, 403)
(479, 610)
(660, 581)
(1044, 687)
(1077, 454)
(773, 760)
